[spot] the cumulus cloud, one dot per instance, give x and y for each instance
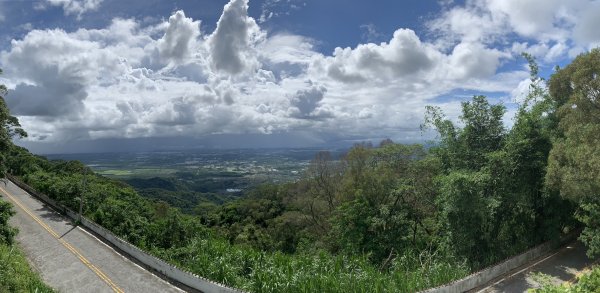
(53, 81)
(179, 38)
(177, 111)
(404, 55)
(473, 60)
(305, 102)
(231, 44)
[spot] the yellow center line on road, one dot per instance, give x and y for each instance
(96, 270)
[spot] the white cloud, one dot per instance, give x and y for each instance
(231, 44)
(370, 33)
(548, 29)
(132, 80)
(179, 38)
(305, 103)
(74, 7)
(404, 55)
(276, 8)
(473, 60)
(520, 93)
(533, 18)
(586, 30)
(53, 82)
(470, 23)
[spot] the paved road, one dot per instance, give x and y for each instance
(68, 257)
(562, 266)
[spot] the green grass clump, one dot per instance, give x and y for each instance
(589, 282)
(15, 273)
(258, 271)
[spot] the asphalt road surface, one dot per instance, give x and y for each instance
(561, 266)
(69, 258)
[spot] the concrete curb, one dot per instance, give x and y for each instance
(488, 274)
(170, 271)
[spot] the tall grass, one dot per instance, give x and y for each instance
(588, 282)
(16, 274)
(258, 271)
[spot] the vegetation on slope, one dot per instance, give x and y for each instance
(183, 191)
(184, 240)
(586, 283)
(15, 273)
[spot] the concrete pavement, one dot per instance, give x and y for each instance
(562, 266)
(69, 258)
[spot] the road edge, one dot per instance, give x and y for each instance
(491, 273)
(181, 278)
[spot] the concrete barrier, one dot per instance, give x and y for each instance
(170, 271)
(486, 275)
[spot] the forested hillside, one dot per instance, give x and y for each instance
(386, 218)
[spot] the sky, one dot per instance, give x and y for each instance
(113, 75)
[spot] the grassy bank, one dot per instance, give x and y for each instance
(15, 273)
(589, 282)
(258, 271)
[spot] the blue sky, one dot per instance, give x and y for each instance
(332, 23)
(99, 75)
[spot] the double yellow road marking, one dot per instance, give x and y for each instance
(92, 267)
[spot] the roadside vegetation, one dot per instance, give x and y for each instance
(589, 282)
(386, 218)
(15, 273)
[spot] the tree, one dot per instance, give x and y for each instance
(387, 200)
(321, 190)
(466, 148)
(492, 199)
(9, 128)
(574, 162)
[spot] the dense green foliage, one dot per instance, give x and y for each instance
(181, 191)
(494, 205)
(7, 233)
(574, 163)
